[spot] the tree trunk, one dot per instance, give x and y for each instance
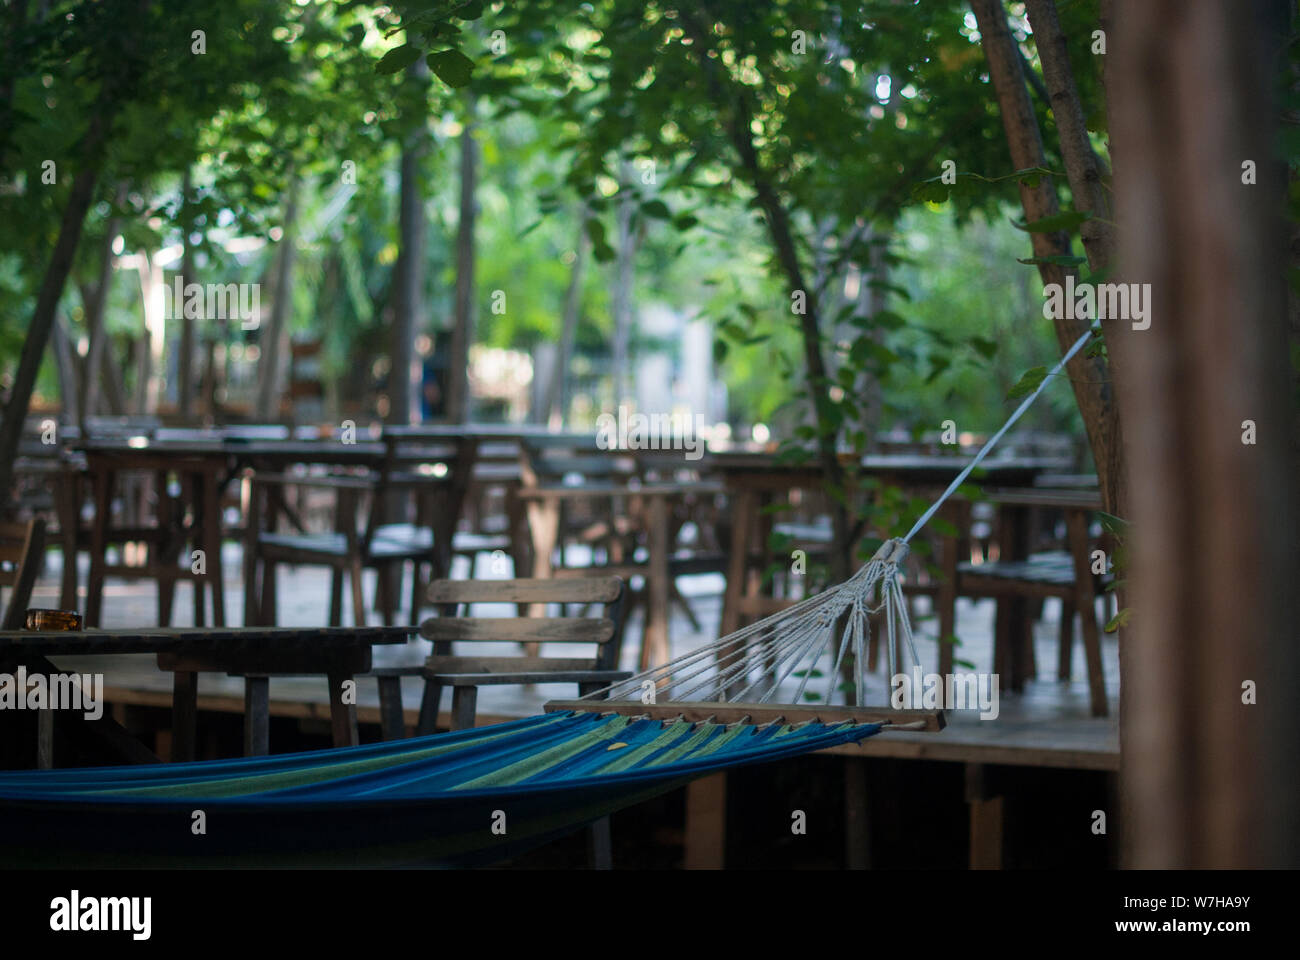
(1209, 780)
(65, 359)
(737, 118)
(462, 334)
(148, 385)
(405, 376)
(1088, 375)
(185, 360)
(94, 302)
(624, 276)
(555, 407)
(47, 301)
(273, 337)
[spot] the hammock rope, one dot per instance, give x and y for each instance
(836, 620)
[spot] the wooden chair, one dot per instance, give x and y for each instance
(22, 546)
(465, 674)
(386, 540)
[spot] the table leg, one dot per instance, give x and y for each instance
(211, 499)
(45, 739)
(1076, 522)
(257, 716)
(66, 503)
(706, 823)
(986, 819)
(857, 849)
(654, 648)
(102, 484)
(343, 716)
(391, 720)
(185, 708)
(744, 505)
(464, 707)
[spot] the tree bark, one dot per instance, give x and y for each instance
(1088, 375)
(554, 408)
(185, 360)
(462, 334)
(405, 376)
(273, 338)
(47, 301)
(66, 363)
(1209, 781)
(624, 276)
(94, 302)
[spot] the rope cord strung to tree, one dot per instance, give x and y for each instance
(1024, 405)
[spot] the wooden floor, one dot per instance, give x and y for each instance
(1048, 725)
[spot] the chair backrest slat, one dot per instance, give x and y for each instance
(604, 633)
(521, 629)
(565, 590)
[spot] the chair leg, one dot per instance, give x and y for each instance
(336, 597)
(45, 739)
(185, 706)
(385, 591)
(464, 706)
(391, 721)
(343, 716)
(257, 716)
(416, 568)
(428, 722)
(268, 611)
(358, 595)
(1065, 642)
(1086, 603)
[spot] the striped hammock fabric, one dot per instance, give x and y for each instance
(470, 796)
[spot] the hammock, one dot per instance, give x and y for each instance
(433, 799)
(487, 793)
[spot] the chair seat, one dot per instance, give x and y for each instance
(1056, 568)
(394, 542)
(530, 676)
(465, 542)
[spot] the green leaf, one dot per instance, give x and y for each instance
(1119, 620)
(1067, 221)
(657, 209)
(684, 221)
(1115, 526)
(984, 347)
(452, 67)
(398, 59)
(1028, 383)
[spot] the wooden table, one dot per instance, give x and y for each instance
(255, 653)
(201, 472)
(205, 466)
(751, 477)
